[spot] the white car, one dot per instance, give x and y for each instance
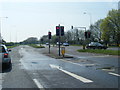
(65, 44)
(47, 43)
(4, 55)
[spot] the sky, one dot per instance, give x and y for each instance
(34, 18)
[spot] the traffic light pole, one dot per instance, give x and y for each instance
(49, 36)
(84, 40)
(59, 38)
(49, 46)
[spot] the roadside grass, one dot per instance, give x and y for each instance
(101, 51)
(76, 45)
(12, 46)
(36, 46)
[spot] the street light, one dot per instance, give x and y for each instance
(1, 28)
(90, 17)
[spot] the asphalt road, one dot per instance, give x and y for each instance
(32, 69)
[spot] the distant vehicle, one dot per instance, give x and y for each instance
(96, 45)
(47, 43)
(4, 55)
(58, 43)
(65, 44)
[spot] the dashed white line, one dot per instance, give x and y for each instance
(38, 83)
(114, 74)
(72, 74)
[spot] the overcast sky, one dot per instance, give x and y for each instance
(36, 18)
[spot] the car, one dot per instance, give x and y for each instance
(47, 43)
(5, 58)
(58, 43)
(96, 45)
(65, 44)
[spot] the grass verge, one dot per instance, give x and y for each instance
(76, 45)
(12, 46)
(101, 51)
(35, 46)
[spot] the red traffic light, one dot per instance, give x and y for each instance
(57, 27)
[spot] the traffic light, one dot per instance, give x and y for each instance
(86, 34)
(41, 39)
(49, 35)
(71, 27)
(62, 30)
(89, 34)
(57, 30)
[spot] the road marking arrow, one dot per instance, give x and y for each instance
(114, 74)
(71, 74)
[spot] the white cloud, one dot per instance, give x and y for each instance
(59, 0)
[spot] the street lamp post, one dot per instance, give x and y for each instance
(90, 17)
(1, 28)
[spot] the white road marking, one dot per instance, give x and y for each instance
(72, 62)
(108, 69)
(72, 74)
(78, 63)
(88, 56)
(114, 74)
(38, 83)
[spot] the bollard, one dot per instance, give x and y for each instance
(63, 51)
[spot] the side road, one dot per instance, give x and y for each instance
(99, 61)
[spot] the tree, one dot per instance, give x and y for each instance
(111, 27)
(31, 40)
(96, 31)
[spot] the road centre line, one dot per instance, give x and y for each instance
(114, 74)
(38, 84)
(72, 74)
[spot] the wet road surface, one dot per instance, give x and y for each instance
(31, 69)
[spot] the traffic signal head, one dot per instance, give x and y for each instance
(89, 34)
(57, 30)
(71, 27)
(49, 35)
(86, 34)
(62, 30)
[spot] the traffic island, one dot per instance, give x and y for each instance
(56, 56)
